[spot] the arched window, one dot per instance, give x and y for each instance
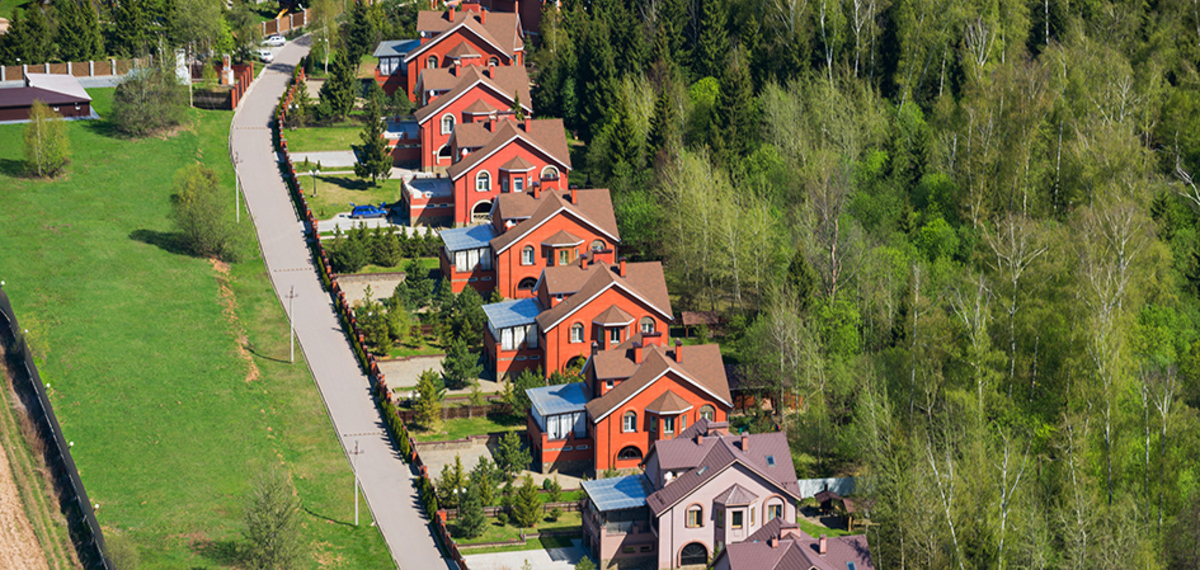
(577, 333)
(629, 422)
(483, 181)
(695, 516)
(646, 325)
(447, 124)
(629, 453)
(431, 62)
(597, 245)
(550, 173)
(482, 211)
(493, 61)
(527, 255)
(527, 284)
(708, 412)
(694, 553)
(774, 508)
(444, 152)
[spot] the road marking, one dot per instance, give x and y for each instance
(293, 269)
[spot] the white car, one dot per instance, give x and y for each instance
(265, 55)
(275, 41)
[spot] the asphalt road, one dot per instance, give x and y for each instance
(388, 484)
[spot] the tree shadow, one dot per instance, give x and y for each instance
(13, 168)
(221, 552)
(171, 242)
(254, 350)
(325, 518)
(104, 128)
(345, 183)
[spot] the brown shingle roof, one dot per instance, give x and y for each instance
(509, 82)
(613, 316)
(594, 208)
(735, 495)
(714, 454)
(668, 403)
(517, 164)
(479, 108)
(502, 29)
(796, 550)
(462, 50)
(700, 367)
(546, 134)
(469, 135)
(644, 280)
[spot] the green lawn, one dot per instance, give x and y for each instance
(462, 427)
(335, 193)
(815, 530)
(173, 405)
(495, 532)
(538, 544)
(339, 136)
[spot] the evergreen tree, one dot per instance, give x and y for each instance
(375, 160)
(428, 407)
(527, 505)
(483, 479)
(596, 77)
(713, 46)
(29, 39)
(452, 484)
(511, 457)
(736, 122)
(468, 319)
(471, 522)
(131, 35)
(272, 520)
(360, 31)
(340, 89)
(461, 367)
(78, 34)
(665, 122)
(420, 286)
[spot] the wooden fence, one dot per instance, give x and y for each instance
(455, 412)
(566, 506)
(284, 24)
(104, 68)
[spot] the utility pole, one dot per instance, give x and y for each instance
(291, 324)
(354, 468)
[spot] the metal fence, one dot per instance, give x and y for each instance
(73, 500)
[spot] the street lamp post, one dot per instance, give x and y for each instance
(237, 188)
(291, 324)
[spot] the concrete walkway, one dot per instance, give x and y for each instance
(328, 158)
(388, 484)
(551, 559)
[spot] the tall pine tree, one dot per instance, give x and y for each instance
(339, 89)
(29, 39)
(130, 29)
(375, 160)
(736, 121)
(78, 34)
(596, 76)
(712, 46)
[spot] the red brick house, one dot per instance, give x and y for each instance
(575, 305)
(465, 95)
(500, 156)
(632, 396)
(469, 36)
(526, 234)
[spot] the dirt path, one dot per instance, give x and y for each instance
(19, 548)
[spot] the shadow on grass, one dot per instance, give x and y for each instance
(221, 552)
(171, 242)
(254, 350)
(325, 518)
(104, 128)
(345, 182)
(13, 168)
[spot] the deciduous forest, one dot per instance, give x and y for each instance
(960, 235)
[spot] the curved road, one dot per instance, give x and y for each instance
(388, 484)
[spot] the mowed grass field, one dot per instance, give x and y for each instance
(170, 376)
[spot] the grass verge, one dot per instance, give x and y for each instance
(544, 543)
(338, 136)
(335, 193)
(128, 327)
(496, 532)
(459, 428)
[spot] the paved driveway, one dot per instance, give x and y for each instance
(388, 484)
(327, 158)
(551, 559)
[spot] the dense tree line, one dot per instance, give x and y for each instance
(961, 235)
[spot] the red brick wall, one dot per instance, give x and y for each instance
(432, 138)
(444, 44)
(510, 272)
(559, 348)
(465, 195)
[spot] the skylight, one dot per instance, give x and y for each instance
(770, 460)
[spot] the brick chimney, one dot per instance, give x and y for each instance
(699, 439)
(823, 546)
(537, 190)
(483, 17)
(678, 343)
(491, 123)
(450, 11)
(583, 259)
(575, 200)
(774, 542)
(621, 267)
(637, 352)
(745, 443)
(528, 123)
(458, 67)
(595, 348)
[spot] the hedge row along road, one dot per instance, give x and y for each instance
(387, 482)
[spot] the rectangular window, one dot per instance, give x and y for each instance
(531, 337)
(629, 549)
(506, 339)
(608, 384)
(504, 185)
(460, 262)
(693, 518)
(774, 511)
(518, 184)
(752, 516)
(630, 423)
(485, 259)
(614, 336)
(682, 423)
(564, 257)
(735, 519)
(668, 425)
(576, 334)
(648, 548)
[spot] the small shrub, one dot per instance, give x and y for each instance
(502, 518)
(555, 514)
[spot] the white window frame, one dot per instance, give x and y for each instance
(549, 173)
(528, 255)
(576, 333)
(614, 336)
(629, 422)
(642, 325)
(668, 425)
(518, 184)
(447, 128)
(483, 181)
(431, 62)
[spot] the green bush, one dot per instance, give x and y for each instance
(149, 100)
